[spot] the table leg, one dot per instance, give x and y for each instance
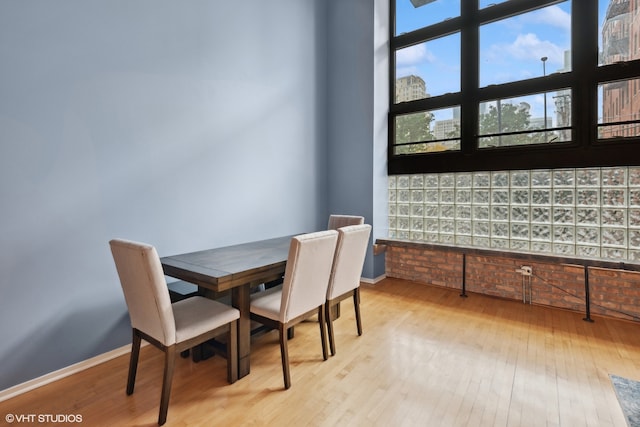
(240, 299)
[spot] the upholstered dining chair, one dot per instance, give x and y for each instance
(303, 291)
(172, 328)
(337, 221)
(349, 258)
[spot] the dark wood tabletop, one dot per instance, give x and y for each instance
(236, 268)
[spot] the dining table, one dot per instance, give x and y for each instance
(236, 268)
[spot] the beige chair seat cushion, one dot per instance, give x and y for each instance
(196, 315)
(267, 303)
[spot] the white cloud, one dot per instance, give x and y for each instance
(552, 15)
(530, 47)
(418, 54)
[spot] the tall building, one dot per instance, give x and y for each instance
(410, 88)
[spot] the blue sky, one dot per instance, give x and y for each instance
(510, 50)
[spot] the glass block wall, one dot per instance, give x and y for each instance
(592, 212)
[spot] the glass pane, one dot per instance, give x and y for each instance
(428, 131)
(524, 46)
(419, 69)
(414, 14)
(532, 119)
(620, 109)
(618, 37)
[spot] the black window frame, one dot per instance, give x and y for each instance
(584, 149)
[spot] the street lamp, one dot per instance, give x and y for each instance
(544, 74)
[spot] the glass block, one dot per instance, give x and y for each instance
(541, 232)
(447, 211)
(500, 197)
(464, 240)
(634, 217)
(564, 197)
(463, 196)
(614, 177)
(404, 196)
(562, 233)
(391, 181)
(417, 224)
(482, 242)
(392, 223)
(499, 179)
(402, 224)
(416, 235)
(393, 209)
(541, 178)
(447, 180)
(540, 197)
(540, 215)
(588, 235)
(447, 239)
(543, 247)
(563, 216)
(464, 180)
(634, 239)
(500, 213)
(417, 196)
(614, 253)
(393, 195)
(520, 231)
(563, 178)
(431, 237)
(482, 180)
(586, 216)
(519, 245)
(519, 179)
(403, 182)
(404, 209)
(520, 197)
(431, 225)
(481, 197)
(614, 237)
(588, 251)
(587, 197)
(481, 212)
(447, 226)
(393, 234)
(614, 197)
(431, 180)
(447, 196)
(463, 211)
(634, 197)
(634, 176)
(500, 243)
(614, 217)
(563, 249)
(481, 228)
(500, 229)
(588, 177)
(463, 227)
(431, 211)
(417, 210)
(403, 234)
(431, 196)
(417, 181)
(520, 214)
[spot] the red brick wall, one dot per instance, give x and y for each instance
(552, 284)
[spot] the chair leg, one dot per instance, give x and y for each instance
(232, 353)
(169, 363)
(323, 333)
(133, 362)
(284, 353)
(356, 304)
(329, 320)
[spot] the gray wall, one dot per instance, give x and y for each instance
(183, 124)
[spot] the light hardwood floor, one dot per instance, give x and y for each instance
(427, 358)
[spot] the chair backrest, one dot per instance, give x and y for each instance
(307, 273)
(337, 221)
(351, 251)
(145, 289)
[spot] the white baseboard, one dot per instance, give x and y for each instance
(62, 373)
(374, 280)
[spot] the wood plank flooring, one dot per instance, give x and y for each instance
(427, 358)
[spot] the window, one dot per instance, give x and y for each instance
(504, 85)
